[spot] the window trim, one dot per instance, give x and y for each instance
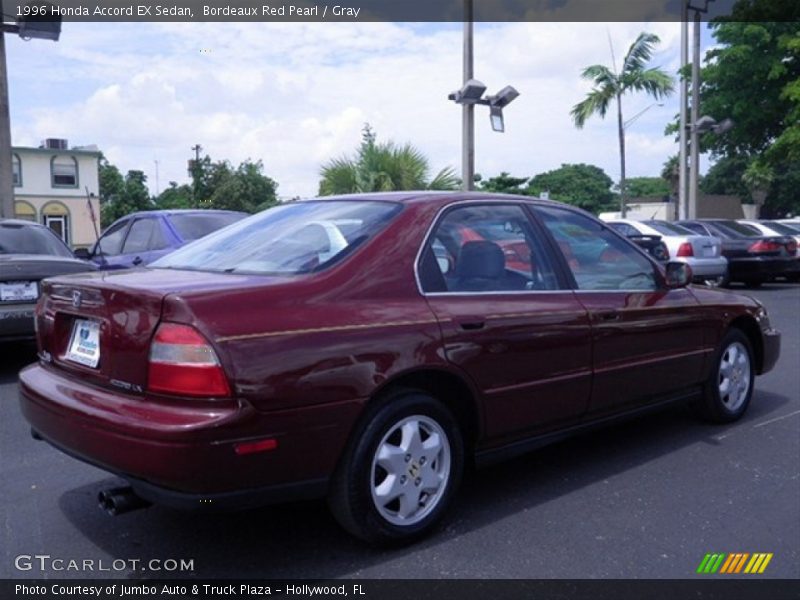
(53, 183)
(564, 284)
(16, 158)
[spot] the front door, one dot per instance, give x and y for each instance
(647, 339)
(507, 320)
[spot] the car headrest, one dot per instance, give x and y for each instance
(480, 260)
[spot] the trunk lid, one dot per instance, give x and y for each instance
(705, 246)
(126, 307)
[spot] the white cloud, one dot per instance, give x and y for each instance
(296, 95)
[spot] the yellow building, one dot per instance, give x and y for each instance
(54, 185)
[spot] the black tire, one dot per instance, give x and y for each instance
(716, 405)
(351, 497)
(754, 283)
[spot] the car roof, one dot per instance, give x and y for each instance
(19, 222)
(437, 197)
(180, 211)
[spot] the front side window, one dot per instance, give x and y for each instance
(64, 171)
(598, 259)
(485, 248)
(110, 243)
(296, 238)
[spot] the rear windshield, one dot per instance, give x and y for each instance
(30, 239)
(735, 229)
(301, 237)
(666, 228)
(193, 226)
(780, 228)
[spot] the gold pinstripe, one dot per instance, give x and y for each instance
(266, 334)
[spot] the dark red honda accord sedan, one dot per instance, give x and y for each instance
(367, 347)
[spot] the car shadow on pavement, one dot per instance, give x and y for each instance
(13, 357)
(302, 540)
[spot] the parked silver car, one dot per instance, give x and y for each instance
(701, 252)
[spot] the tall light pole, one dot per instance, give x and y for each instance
(683, 201)
(6, 175)
(467, 109)
(45, 28)
(694, 142)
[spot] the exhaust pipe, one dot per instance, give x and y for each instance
(117, 501)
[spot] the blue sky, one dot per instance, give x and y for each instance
(295, 95)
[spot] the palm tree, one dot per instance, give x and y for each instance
(382, 167)
(608, 86)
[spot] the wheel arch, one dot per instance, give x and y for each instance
(452, 389)
(748, 325)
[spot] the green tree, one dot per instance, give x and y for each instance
(246, 189)
(111, 181)
(642, 187)
(175, 196)
(586, 186)
(382, 167)
(134, 197)
(752, 76)
(611, 86)
(502, 184)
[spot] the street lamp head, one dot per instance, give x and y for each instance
(723, 126)
(496, 118)
(504, 97)
(470, 93)
(704, 123)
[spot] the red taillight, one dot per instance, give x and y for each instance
(685, 249)
(765, 246)
(183, 363)
(791, 247)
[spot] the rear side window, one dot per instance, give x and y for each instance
(110, 243)
(193, 226)
(485, 249)
(598, 259)
(138, 239)
(696, 228)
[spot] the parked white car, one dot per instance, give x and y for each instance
(775, 228)
(701, 252)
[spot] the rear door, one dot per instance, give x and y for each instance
(507, 317)
(647, 339)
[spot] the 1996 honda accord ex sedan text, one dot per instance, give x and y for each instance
(366, 348)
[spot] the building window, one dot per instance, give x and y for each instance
(64, 171)
(56, 216)
(24, 210)
(16, 168)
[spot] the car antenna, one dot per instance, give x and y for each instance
(94, 221)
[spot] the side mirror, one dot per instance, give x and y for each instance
(82, 253)
(679, 275)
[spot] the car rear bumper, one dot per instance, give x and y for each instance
(746, 268)
(706, 267)
(16, 321)
(180, 453)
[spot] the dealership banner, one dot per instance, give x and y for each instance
(419, 589)
(391, 10)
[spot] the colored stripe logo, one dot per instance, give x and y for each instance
(736, 562)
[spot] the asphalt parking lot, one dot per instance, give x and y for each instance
(644, 499)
